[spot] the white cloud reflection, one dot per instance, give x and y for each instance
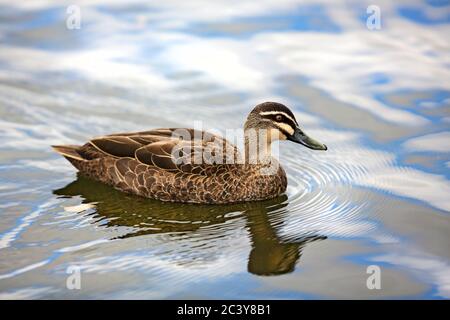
(436, 142)
(434, 269)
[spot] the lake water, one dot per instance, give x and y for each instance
(380, 100)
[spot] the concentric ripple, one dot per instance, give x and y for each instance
(321, 190)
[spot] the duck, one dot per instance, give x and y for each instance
(194, 166)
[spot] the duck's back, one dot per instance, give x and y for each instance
(157, 164)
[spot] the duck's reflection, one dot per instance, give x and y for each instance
(270, 255)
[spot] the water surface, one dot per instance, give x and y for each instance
(379, 196)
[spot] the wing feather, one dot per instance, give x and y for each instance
(116, 146)
(203, 153)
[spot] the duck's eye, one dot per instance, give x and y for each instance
(279, 117)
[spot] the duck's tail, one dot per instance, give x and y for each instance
(69, 152)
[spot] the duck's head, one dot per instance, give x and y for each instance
(281, 124)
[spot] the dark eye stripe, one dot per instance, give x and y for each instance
(288, 121)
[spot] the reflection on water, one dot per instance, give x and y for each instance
(379, 99)
(269, 255)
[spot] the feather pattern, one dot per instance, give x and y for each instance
(155, 164)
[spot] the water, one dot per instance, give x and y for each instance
(379, 196)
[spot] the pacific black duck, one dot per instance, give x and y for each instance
(187, 165)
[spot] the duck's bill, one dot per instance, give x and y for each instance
(300, 137)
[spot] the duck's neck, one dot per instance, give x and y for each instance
(258, 146)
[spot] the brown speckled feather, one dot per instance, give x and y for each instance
(142, 163)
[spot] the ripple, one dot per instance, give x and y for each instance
(321, 190)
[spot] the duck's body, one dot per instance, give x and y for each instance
(146, 164)
(141, 163)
